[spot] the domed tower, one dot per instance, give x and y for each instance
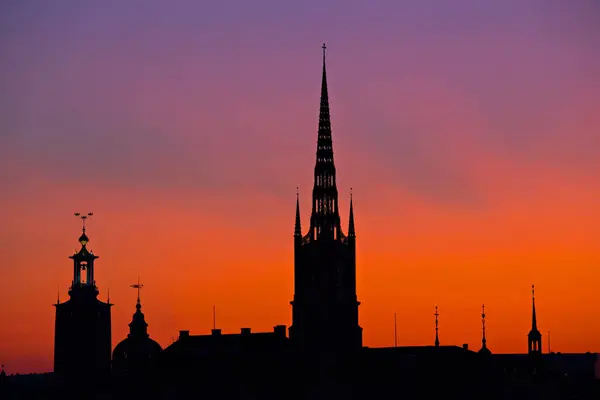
(82, 339)
(137, 352)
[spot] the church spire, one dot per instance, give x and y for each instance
(325, 218)
(351, 231)
(298, 226)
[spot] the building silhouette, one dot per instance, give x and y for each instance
(325, 305)
(82, 340)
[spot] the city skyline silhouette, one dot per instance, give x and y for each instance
(208, 226)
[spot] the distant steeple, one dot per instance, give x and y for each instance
(351, 232)
(297, 227)
(484, 349)
(437, 339)
(534, 337)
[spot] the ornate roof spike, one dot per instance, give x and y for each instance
(351, 231)
(533, 315)
(297, 227)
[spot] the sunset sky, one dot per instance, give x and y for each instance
(469, 131)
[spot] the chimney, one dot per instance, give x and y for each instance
(184, 334)
(465, 346)
(216, 332)
(280, 330)
(246, 331)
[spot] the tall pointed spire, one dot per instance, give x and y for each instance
(351, 231)
(533, 316)
(325, 218)
(437, 339)
(297, 227)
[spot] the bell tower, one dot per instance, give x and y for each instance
(82, 339)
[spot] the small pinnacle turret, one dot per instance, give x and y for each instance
(297, 226)
(351, 232)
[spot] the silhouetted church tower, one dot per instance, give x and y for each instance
(82, 340)
(325, 306)
(534, 338)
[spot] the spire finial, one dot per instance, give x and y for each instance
(297, 227)
(83, 217)
(533, 315)
(437, 340)
(83, 239)
(138, 286)
(483, 340)
(351, 229)
(324, 47)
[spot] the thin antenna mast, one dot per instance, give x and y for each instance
(395, 332)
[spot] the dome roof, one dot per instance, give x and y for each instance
(484, 351)
(83, 239)
(136, 349)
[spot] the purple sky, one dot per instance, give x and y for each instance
(183, 83)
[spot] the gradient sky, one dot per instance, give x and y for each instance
(468, 130)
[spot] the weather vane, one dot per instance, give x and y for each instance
(83, 217)
(138, 286)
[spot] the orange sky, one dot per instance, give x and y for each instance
(194, 251)
(470, 144)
